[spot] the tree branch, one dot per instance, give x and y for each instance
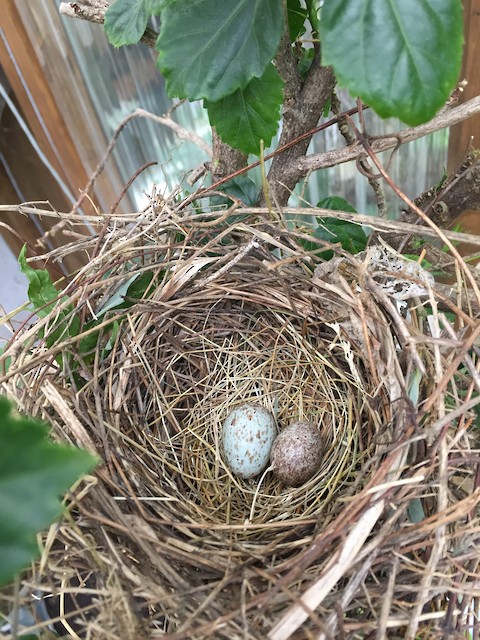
(94, 11)
(447, 117)
(225, 159)
(377, 223)
(91, 10)
(287, 67)
(303, 106)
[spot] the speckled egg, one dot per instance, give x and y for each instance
(297, 453)
(248, 435)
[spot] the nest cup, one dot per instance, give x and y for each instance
(166, 539)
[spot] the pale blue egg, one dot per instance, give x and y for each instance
(247, 439)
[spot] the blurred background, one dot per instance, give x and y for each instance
(63, 92)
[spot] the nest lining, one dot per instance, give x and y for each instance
(232, 314)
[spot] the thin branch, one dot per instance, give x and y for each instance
(303, 105)
(94, 11)
(376, 223)
(182, 133)
(349, 138)
(447, 117)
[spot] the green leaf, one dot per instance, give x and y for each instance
(327, 107)
(126, 21)
(113, 336)
(402, 58)
(34, 472)
(209, 49)
(335, 203)
(416, 512)
(243, 188)
(140, 287)
(305, 62)
(247, 116)
(126, 289)
(133, 289)
(41, 290)
(118, 297)
(44, 297)
(155, 7)
(351, 236)
(296, 19)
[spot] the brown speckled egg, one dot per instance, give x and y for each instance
(247, 438)
(297, 453)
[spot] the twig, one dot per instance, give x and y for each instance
(94, 11)
(440, 233)
(129, 184)
(371, 221)
(447, 117)
(349, 138)
(140, 113)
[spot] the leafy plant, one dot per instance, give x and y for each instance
(34, 472)
(370, 41)
(222, 52)
(244, 118)
(243, 188)
(350, 235)
(44, 297)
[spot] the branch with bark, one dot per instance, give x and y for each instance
(304, 102)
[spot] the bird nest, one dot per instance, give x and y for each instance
(180, 317)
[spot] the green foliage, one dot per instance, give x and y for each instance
(402, 58)
(242, 187)
(296, 16)
(44, 297)
(132, 289)
(126, 20)
(424, 263)
(155, 7)
(416, 512)
(34, 472)
(249, 115)
(209, 49)
(305, 62)
(351, 236)
(335, 203)
(41, 291)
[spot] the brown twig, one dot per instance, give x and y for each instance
(447, 117)
(139, 113)
(363, 165)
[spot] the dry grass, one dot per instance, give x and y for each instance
(165, 541)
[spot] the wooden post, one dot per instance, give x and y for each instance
(461, 134)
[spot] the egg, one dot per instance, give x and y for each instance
(297, 453)
(247, 438)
